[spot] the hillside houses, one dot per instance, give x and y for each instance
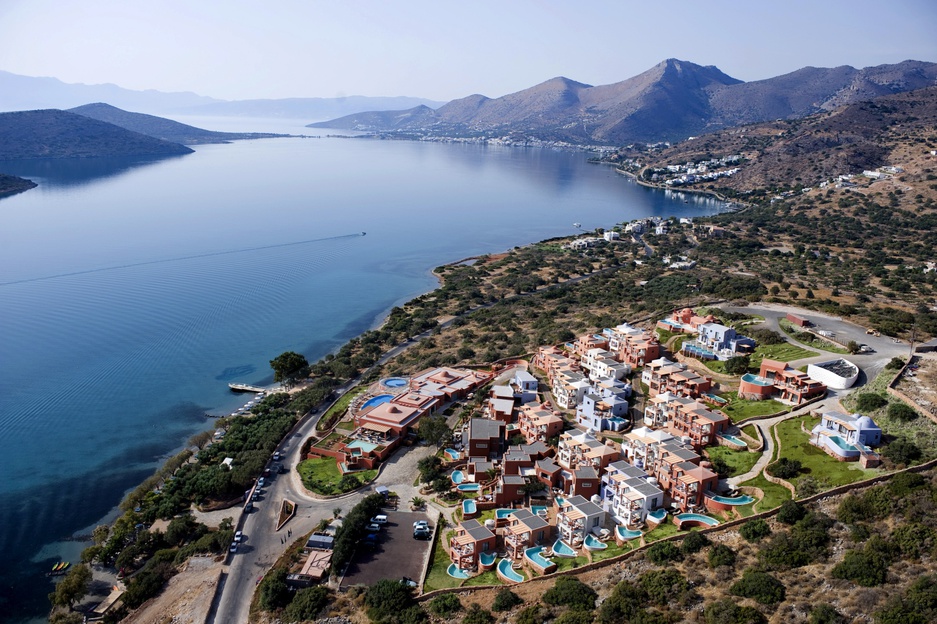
(685, 418)
(778, 380)
(662, 376)
(717, 342)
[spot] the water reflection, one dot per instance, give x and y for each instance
(52, 173)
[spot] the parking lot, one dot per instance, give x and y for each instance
(397, 555)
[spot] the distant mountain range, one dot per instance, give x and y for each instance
(29, 93)
(669, 102)
(161, 128)
(61, 134)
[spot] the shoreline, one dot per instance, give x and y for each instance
(731, 203)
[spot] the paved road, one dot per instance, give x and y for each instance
(885, 348)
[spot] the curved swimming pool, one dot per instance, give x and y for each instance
(454, 571)
(458, 476)
(593, 543)
(626, 534)
(507, 572)
(695, 519)
(560, 549)
(744, 499)
(468, 487)
(394, 382)
(376, 400)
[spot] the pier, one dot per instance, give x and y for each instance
(236, 387)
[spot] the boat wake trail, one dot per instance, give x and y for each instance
(180, 259)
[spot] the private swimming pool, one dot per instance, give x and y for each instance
(626, 534)
(376, 400)
(657, 515)
(468, 487)
(544, 566)
(501, 514)
(508, 573)
(468, 508)
(694, 519)
(732, 439)
(394, 382)
(744, 499)
(458, 476)
(455, 572)
(452, 453)
(366, 447)
(593, 543)
(560, 549)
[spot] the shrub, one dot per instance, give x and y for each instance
(694, 542)
(571, 592)
(784, 468)
(870, 401)
(895, 363)
(665, 586)
(918, 605)
(506, 600)
(754, 530)
(721, 555)
(864, 567)
(824, 613)
(387, 600)
(623, 605)
(575, 617)
(663, 552)
(533, 614)
(274, 593)
(902, 451)
(475, 614)
(790, 512)
(737, 365)
(725, 611)
(904, 483)
(759, 586)
(901, 412)
(445, 605)
(306, 604)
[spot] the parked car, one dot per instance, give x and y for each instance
(409, 582)
(370, 541)
(379, 519)
(276, 456)
(422, 533)
(234, 547)
(373, 528)
(421, 524)
(260, 482)
(238, 536)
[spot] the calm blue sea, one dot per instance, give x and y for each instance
(133, 291)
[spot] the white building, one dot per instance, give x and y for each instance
(629, 493)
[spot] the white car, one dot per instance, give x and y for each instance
(238, 536)
(373, 528)
(379, 519)
(420, 524)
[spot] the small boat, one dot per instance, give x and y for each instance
(364, 233)
(59, 568)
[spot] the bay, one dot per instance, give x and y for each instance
(133, 290)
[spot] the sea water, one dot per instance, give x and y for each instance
(133, 290)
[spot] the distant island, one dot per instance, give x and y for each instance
(11, 185)
(60, 134)
(161, 128)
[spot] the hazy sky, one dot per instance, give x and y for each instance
(241, 49)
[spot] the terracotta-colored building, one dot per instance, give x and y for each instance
(779, 380)
(685, 320)
(685, 418)
(662, 376)
(537, 424)
(525, 529)
(470, 540)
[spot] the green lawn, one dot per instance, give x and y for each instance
(614, 550)
(739, 461)
(568, 563)
(785, 352)
(774, 494)
(437, 578)
(485, 578)
(738, 409)
(342, 404)
(321, 475)
(665, 529)
(347, 425)
(749, 430)
(795, 444)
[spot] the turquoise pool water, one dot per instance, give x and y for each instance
(377, 400)
(366, 447)
(394, 382)
(458, 477)
(593, 543)
(626, 534)
(716, 399)
(843, 444)
(732, 439)
(694, 517)
(486, 559)
(452, 453)
(737, 500)
(657, 514)
(501, 514)
(469, 507)
(560, 549)
(559, 501)
(468, 487)
(536, 558)
(504, 567)
(537, 509)
(455, 572)
(755, 379)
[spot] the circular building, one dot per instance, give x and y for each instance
(838, 374)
